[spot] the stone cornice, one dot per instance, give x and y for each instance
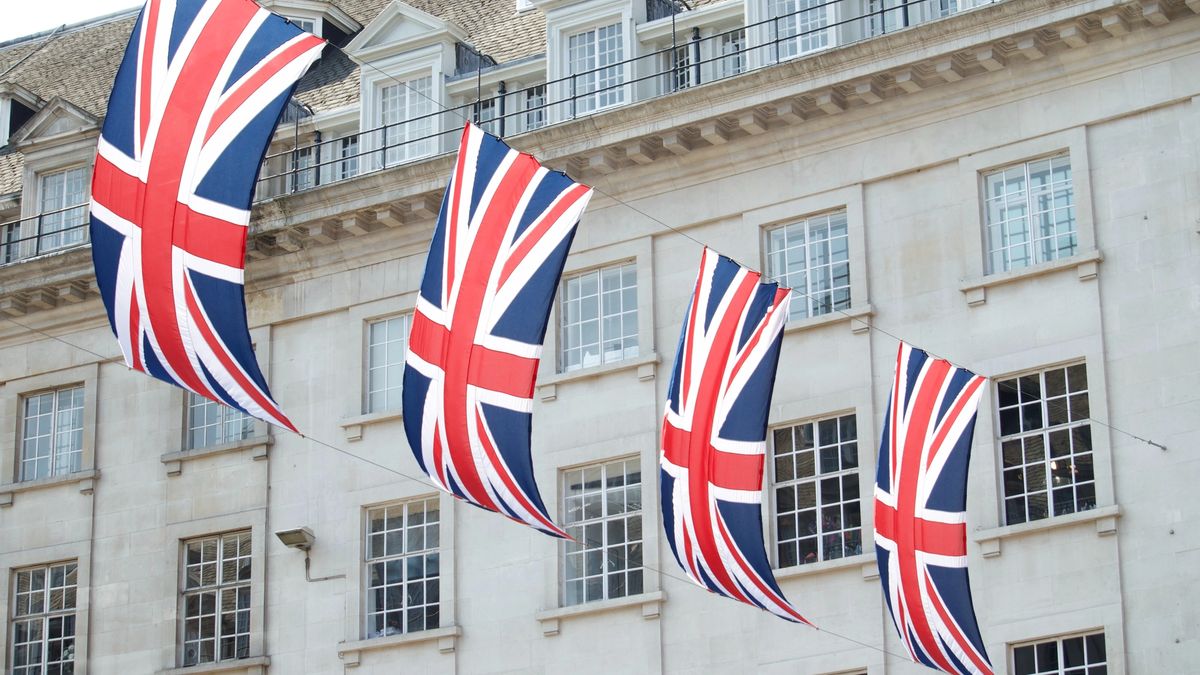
(813, 91)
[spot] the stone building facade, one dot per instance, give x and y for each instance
(1014, 186)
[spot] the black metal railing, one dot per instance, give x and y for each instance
(689, 60)
(44, 233)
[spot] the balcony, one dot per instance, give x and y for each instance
(44, 233)
(813, 27)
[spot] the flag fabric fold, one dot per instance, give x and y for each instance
(192, 110)
(920, 512)
(494, 265)
(714, 433)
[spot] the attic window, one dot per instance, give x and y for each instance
(305, 24)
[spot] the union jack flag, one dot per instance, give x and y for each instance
(714, 433)
(496, 257)
(920, 512)
(192, 109)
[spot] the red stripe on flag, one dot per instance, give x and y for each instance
(247, 87)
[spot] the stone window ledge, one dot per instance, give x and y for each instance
(651, 604)
(86, 480)
(353, 426)
(256, 445)
(547, 387)
(1086, 265)
(859, 319)
(864, 561)
(447, 641)
(1104, 517)
(255, 665)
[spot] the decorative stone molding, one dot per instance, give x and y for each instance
(257, 448)
(447, 641)
(84, 480)
(650, 604)
(1086, 265)
(1103, 518)
(255, 665)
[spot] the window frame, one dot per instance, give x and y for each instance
(81, 554)
(46, 615)
(774, 483)
(12, 398)
(252, 427)
(356, 416)
(1058, 640)
(564, 21)
(989, 262)
(80, 228)
(809, 296)
(1043, 432)
(365, 562)
(368, 366)
(640, 252)
(563, 552)
(183, 592)
(561, 300)
(427, 61)
(971, 168)
(55, 393)
(849, 198)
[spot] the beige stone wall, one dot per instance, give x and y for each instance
(906, 169)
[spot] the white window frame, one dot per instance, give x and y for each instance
(534, 108)
(227, 419)
(844, 476)
(562, 23)
(218, 589)
(426, 61)
(67, 235)
(1023, 439)
(977, 280)
(850, 199)
(67, 594)
(1033, 244)
(74, 455)
(78, 552)
(356, 415)
(1059, 651)
(404, 320)
(574, 555)
(623, 269)
(401, 558)
(12, 400)
(808, 302)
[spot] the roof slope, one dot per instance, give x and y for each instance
(79, 62)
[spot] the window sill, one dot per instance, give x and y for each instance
(1104, 517)
(255, 665)
(1086, 266)
(547, 387)
(353, 426)
(257, 446)
(651, 604)
(859, 319)
(85, 479)
(864, 561)
(351, 652)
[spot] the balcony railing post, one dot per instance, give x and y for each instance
(775, 36)
(501, 94)
(573, 111)
(695, 55)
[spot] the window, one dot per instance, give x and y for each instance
(677, 67)
(603, 507)
(302, 176)
(733, 56)
(307, 25)
(817, 511)
(43, 620)
(406, 112)
(888, 15)
(1075, 655)
(812, 257)
(52, 435)
(535, 112)
(210, 423)
(62, 207)
(1029, 213)
(216, 599)
(487, 115)
(593, 57)
(599, 317)
(798, 26)
(387, 344)
(1046, 444)
(403, 568)
(347, 152)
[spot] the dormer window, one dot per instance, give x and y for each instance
(62, 197)
(594, 56)
(320, 17)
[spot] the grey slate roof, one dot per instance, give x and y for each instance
(79, 62)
